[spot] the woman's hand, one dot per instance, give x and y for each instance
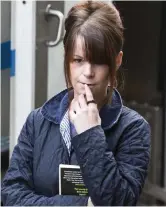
(84, 116)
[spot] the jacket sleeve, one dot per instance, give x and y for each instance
(114, 179)
(17, 187)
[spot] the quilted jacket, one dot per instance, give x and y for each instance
(113, 157)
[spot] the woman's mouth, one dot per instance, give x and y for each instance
(90, 85)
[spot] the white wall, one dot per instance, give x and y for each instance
(22, 84)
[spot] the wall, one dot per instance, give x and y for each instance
(5, 66)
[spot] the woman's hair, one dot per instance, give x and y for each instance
(100, 26)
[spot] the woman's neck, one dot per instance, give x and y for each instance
(102, 101)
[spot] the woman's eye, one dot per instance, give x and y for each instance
(77, 60)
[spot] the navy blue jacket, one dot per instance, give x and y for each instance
(113, 157)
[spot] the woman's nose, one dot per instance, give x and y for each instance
(88, 70)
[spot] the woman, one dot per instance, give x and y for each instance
(85, 125)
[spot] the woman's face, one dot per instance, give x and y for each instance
(82, 72)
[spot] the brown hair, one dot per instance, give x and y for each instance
(100, 25)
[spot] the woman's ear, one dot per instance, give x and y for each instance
(119, 59)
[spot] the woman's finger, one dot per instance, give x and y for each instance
(76, 106)
(82, 102)
(89, 95)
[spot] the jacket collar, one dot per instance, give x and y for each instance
(55, 108)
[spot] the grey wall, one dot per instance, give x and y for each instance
(5, 74)
(5, 20)
(5, 100)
